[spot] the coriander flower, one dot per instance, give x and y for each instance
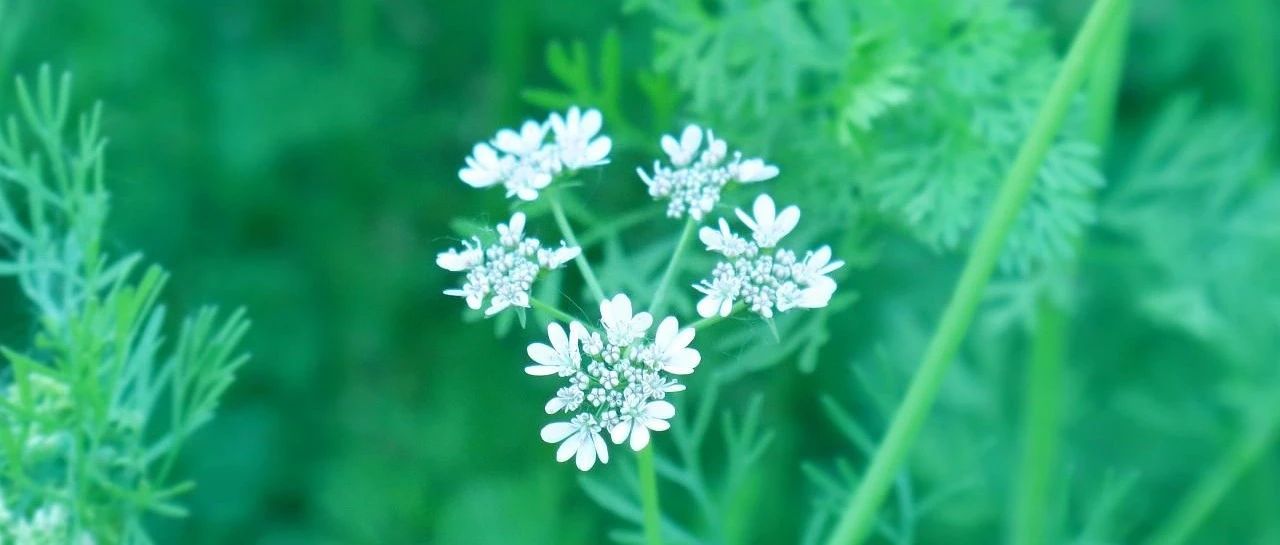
(525, 162)
(697, 174)
(764, 278)
(502, 273)
(577, 140)
(617, 381)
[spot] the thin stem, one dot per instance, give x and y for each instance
(649, 497)
(660, 294)
(1041, 427)
(552, 310)
(1043, 413)
(1104, 82)
(1205, 495)
(858, 520)
(588, 275)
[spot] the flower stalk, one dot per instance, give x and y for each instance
(551, 310)
(649, 497)
(660, 295)
(858, 520)
(566, 230)
(1043, 411)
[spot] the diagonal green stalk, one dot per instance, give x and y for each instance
(551, 310)
(1209, 491)
(566, 230)
(660, 295)
(1043, 398)
(858, 519)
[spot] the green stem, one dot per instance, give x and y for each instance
(660, 295)
(1043, 414)
(1104, 82)
(1041, 427)
(858, 520)
(648, 476)
(584, 267)
(552, 310)
(1214, 485)
(649, 496)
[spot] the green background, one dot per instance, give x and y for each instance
(300, 158)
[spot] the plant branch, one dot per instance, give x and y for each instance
(1206, 494)
(551, 310)
(858, 520)
(1042, 403)
(660, 294)
(588, 275)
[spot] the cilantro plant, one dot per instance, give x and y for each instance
(97, 406)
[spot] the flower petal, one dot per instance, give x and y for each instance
(557, 431)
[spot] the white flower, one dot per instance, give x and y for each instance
(638, 420)
(768, 227)
(504, 272)
(724, 240)
(554, 258)
(763, 278)
(455, 261)
(718, 296)
(617, 382)
(620, 325)
(754, 170)
(525, 142)
(672, 344)
(562, 356)
(484, 168)
(817, 264)
(700, 167)
(576, 138)
(526, 163)
(579, 439)
(682, 152)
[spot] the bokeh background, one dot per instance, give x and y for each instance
(300, 158)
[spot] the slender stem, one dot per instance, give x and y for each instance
(1205, 495)
(1041, 427)
(649, 497)
(1042, 402)
(1104, 82)
(660, 295)
(588, 275)
(552, 310)
(858, 520)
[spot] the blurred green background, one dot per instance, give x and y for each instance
(300, 158)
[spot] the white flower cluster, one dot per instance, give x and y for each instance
(764, 278)
(616, 382)
(48, 525)
(503, 273)
(525, 162)
(694, 180)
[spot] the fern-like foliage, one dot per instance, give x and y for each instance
(919, 108)
(94, 410)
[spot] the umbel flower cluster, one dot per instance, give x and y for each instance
(503, 273)
(617, 375)
(696, 175)
(615, 382)
(525, 162)
(765, 278)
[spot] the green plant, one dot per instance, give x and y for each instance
(97, 407)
